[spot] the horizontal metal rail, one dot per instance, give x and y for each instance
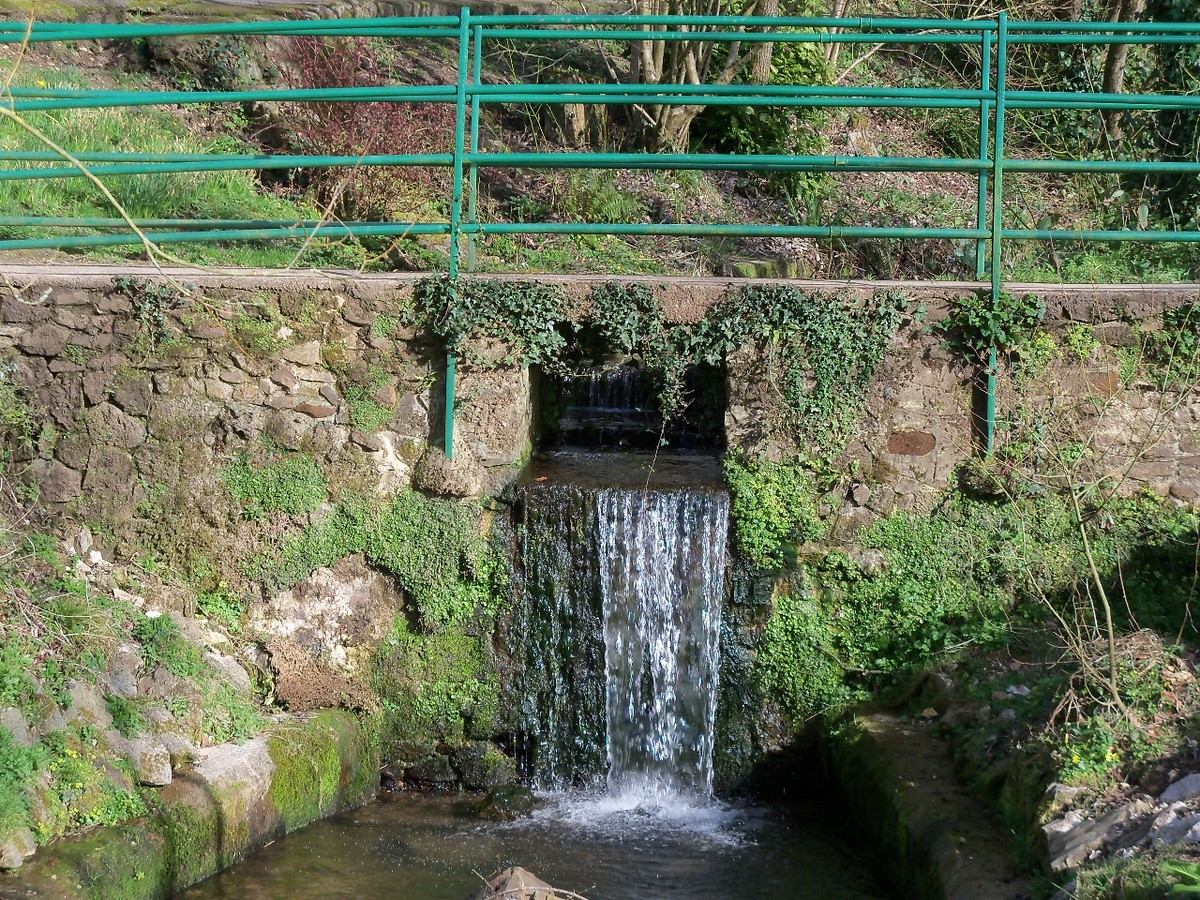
(464, 155)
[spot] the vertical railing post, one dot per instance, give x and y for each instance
(456, 197)
(997, 217)
(472, 168)
(985, 152)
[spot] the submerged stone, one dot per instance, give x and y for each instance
(506, 803)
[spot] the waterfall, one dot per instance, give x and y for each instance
(662, 568)
(622, 590)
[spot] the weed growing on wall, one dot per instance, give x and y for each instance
(293, 485)
(773, 509)
(822, 351)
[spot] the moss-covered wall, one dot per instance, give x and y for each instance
(228, 806)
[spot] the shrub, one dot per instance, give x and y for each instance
(364, 193)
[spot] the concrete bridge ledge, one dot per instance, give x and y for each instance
(684, 298)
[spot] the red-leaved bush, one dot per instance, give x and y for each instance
(364, 193)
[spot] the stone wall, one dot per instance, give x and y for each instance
(148, 394)
(144, 391)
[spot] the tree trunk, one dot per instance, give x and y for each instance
(1114, 66)
(760, 56)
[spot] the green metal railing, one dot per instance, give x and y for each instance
(991, 100)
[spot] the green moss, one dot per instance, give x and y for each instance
(125, 862)
(432, 547)
(307, 781)
(437, 687)
(293, 485)
(192, 840)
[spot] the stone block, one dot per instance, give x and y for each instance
(911, 443)
(109, 425)
(56, 482)
(45, 340)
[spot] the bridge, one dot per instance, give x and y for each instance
(992, 43)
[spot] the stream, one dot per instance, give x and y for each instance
(413, 846)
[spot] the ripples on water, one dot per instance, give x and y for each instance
(629, 846)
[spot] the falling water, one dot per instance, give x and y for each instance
(622, 590)
(662, 567)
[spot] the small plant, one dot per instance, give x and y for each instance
(1081, 340)
(163, 644)
(222, 605)
(977, 326)
(127, 717)
(151, 302)
(293, 485)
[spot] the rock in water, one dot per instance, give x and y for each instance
(515, 883)
(506, 803)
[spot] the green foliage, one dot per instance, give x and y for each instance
(1188, 874)
(19, 423)
(293, 485)
(1036, 354)
(223, 605)
(151, 300)
(522, 316)
(16, 666)
(976, 326)
(202, 195)
(127, 717)
(791, 131)
(795, 666)
(1081, 340)
(164, 644)
(822, 351)
(18, 768)
(83, 794)
(595, 197)
(1174, 350)
(432, 548)
(773, 508)
(436, 687)
(227, 714)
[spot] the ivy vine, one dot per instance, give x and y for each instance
(821, 351)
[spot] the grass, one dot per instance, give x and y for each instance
(196, 195)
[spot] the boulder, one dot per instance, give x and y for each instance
(461, 477)
(340, 615)
(506, 803)
(515, 883)
(482, 766)
(1186, 788)
(16, 846)
(56, 482)
(14, 720)
(151, 761)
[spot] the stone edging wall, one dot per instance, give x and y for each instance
(233, 801)
(899, 792)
